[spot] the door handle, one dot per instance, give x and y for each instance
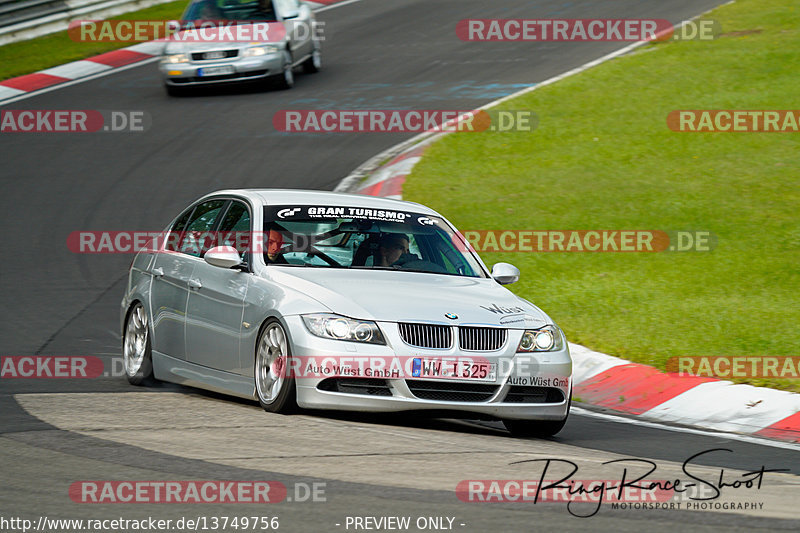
(195, 284)
(158, 272)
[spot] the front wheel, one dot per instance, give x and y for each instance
(274, 386)
(137, 353)
(313, 63)
(285, 80)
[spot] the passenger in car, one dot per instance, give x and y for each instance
(392, 247)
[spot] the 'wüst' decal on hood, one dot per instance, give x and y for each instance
(494, 308)
(411, 297)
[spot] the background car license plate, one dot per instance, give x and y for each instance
(462, 369)
(215, 71)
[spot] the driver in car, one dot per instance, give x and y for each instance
(274, 244)
(392, 248)
(263, 11)
(209, 12)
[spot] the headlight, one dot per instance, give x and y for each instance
(259, 51)
(176, 58)
(546, 339)
(341, 328)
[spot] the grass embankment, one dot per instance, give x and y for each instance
(603, 158)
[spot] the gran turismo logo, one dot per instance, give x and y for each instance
(286, 213)
(425, 221)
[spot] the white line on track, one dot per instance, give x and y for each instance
(340, 4)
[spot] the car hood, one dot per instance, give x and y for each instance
(411, 297)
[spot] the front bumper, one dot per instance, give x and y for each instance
(243, 69)
(546, 376)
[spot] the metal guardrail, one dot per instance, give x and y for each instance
(26, 19)
(16, 11)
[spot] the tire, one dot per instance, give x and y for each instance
(137, 352)
(285, 80)
(275, 389)
(314, 63)
(537, 428)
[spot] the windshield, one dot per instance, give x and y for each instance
(364, 238)
(230, 10)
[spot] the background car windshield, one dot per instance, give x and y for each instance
(371, 239)
(230, 10)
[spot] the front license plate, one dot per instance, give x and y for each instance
(461, 369)
(215, 71)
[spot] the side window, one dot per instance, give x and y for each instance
(235, 228)
(176, 231)
(197, 237)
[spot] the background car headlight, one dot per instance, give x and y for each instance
(176, 58)
(259, 51)
(341, 328)
(546, 339)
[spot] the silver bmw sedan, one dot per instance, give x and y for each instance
(308, 299)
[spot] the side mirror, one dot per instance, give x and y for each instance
(291, 14)
(505, 273)
(223, 257)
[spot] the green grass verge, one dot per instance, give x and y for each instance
(56, 49)
(602, 157)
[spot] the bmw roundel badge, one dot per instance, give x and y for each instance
(451, 316)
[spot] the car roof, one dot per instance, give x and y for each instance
(306, 197)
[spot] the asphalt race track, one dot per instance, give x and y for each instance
(391, 54)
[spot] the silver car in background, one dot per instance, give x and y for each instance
(191, 62)
(333, 301)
